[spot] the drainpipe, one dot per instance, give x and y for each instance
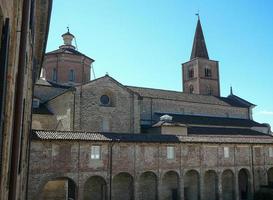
(57, 69)
(19, 99)
(112, 143)
(111, 170)
(252, 169)
(74, 108)
(83, 80)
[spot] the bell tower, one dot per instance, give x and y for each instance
(200, 74)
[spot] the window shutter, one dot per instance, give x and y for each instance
(3, 76)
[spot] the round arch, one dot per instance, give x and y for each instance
(270, 176)
(228, 185)
(147, 186)
(210, 185)
(170, 185)
(192, 185)
(123, 186)
(244, 184)
(95, 188)
(59, 188)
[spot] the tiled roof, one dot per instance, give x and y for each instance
(200, 134)
(68, 51)
(186, 97)
(216, 121)
(223, 131)
(69, 135)
(238, 101)
(42, 82)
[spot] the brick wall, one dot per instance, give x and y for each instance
(53, 159)
(63, 63)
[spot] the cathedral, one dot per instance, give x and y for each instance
(99, 139)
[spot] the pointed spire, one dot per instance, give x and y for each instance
(199, 49)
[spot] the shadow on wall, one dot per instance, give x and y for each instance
(264, 193)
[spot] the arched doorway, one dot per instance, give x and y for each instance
(192, 185)
(228, 185)
(244, 186)
(123, 187)
(59, 189)
(95, 189)
(170, 186)
(270, 177)
(147, 186)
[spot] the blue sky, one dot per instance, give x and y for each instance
(144, 42)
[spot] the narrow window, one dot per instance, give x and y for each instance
(191, 73)
(226, 152)
(270, 152)
(71, 75)
(170, 152)
(95, 152)
(55, 149)
(54, 74)
(207, 72)
(105, 100)
(35, 103)
(191, 89)
(105, 125)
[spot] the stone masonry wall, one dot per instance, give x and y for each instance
(72, 159)
(63, 63)
(121, 115)
(63, 109)
(43, 122)
(150, 106)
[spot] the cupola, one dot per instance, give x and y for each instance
(67, 38)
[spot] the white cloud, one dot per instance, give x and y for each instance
(265, 112)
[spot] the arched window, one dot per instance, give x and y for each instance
(54, 74)
(207, 71)
(191, 89)
(71, 75)
(105, 100)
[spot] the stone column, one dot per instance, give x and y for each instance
(181, 187)
(201, 183)
(159, 188)
(80, 188)
(220, 186)
(251, 184)
(236, 185)
(136, 188)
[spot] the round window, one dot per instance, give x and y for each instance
(105, 100)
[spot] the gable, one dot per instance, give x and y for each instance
(107, 83)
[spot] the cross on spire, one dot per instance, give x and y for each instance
(199, 49)
(197, 14)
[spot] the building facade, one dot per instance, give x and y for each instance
(101, 139)
(24, 28)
